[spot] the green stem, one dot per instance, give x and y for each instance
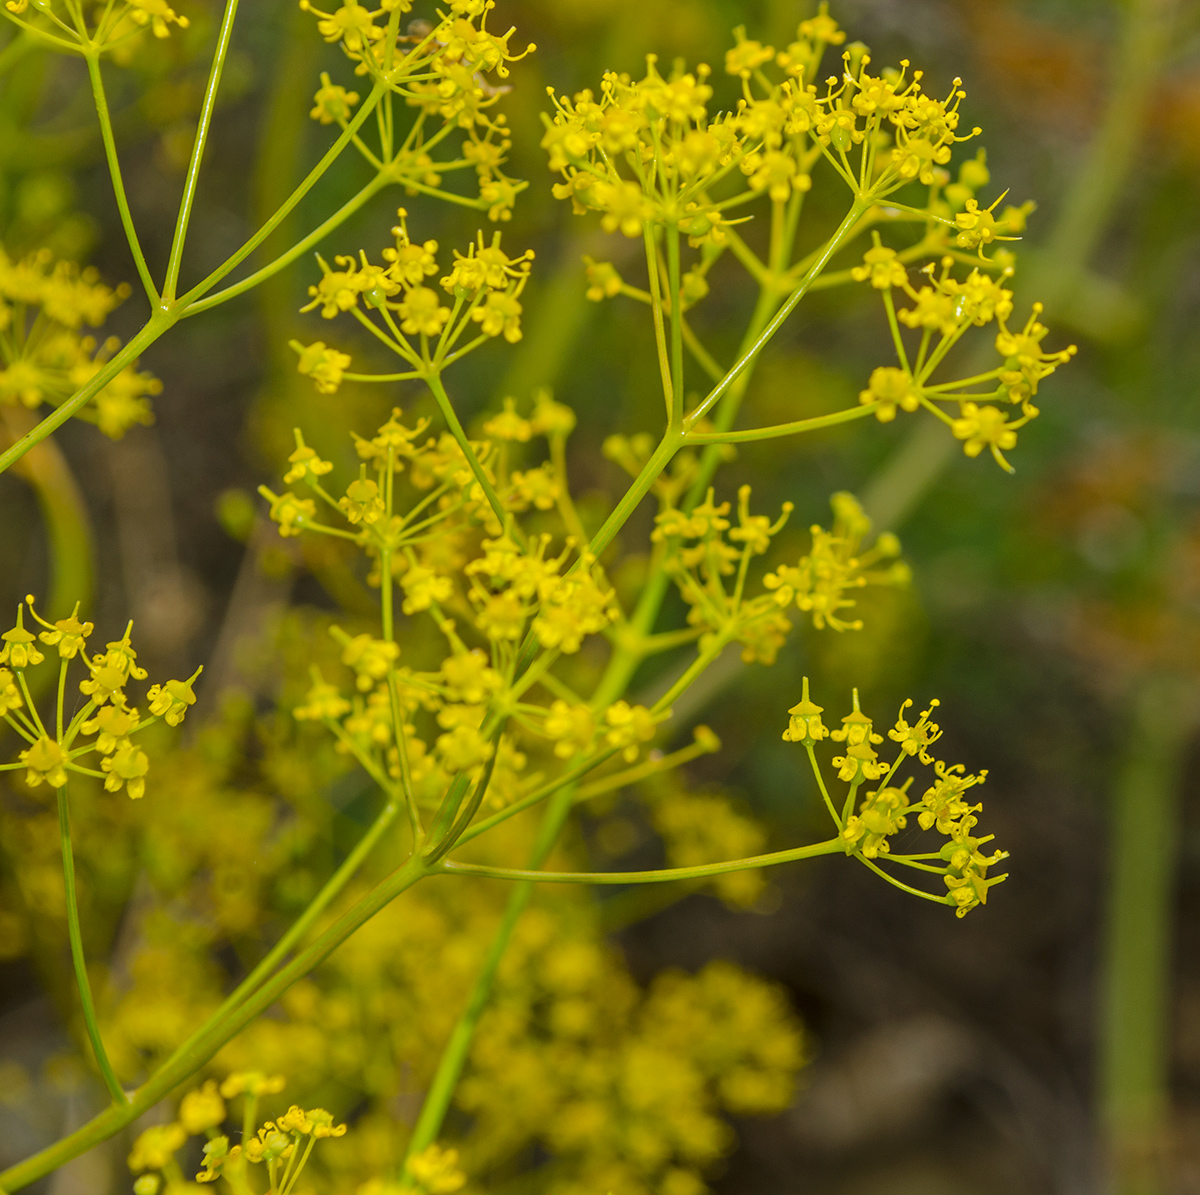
(315, 237)
(834, 243)
(454, 1055)
(1136, 980)
(630, 500)
(782, 429)
(281, 213)
(672, 235)
(118, 184)
(158, 323)
(77, 959)
(832, 846)
(202, 126)
(456, 430)
(203, 1045)
(333, 886)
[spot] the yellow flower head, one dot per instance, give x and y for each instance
(45, 762)
(126, 766)
(202, 1109)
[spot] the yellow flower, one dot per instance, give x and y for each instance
(362, 503)
(746, 56)
(570, 609)
(880, 815)
(463, 748)
(202, 1109)
(305, 462)
(917, 739)
(508, 425)
(881, 266)
(435, 1170)
(67, 634)
(500, 313)
(45, 762)
(470, 678)
(422, 587)
(804, 724)
(325, 366)
(985, 427)
(352, 25)
(291, 513)
(890, 388)
(322, 701)
(10, 695)
(253, 1083)
(171, 701)
(572, 727)
(331, 102)
(629, 725)
(112, 726)
(421, 312)
(158, 15)
(20, 646)
(371, 659)
(127, 766)
(156, 1146)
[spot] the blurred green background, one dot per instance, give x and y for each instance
(1055, 613)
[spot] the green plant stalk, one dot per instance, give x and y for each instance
(81, 976)
(666, 875)
(454, 1056)
(212, 1037)
(157, 324)
(203, 124)
(296, 931)
(1136, 982)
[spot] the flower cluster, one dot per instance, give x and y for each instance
(884, 811)
(282, 1145)
(942, 311)
(837, 562)
(487, 587)
(703, 549)
(674, 154)
(441, 68)
(117, 29)
(106, 714)
(484, 286)
(45, 354)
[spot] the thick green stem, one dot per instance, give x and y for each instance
(631, 499)
(296, 931)
(157, 325)
(1136, 983)
(301, 247)
(205, 1044)
(81, 976)
(310, 180)
(454, 1055)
